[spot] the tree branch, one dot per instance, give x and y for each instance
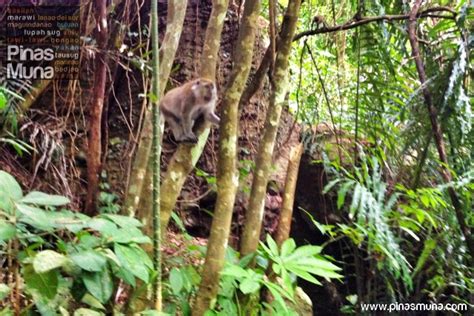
(369, 19)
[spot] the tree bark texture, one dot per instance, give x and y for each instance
(254, 213)
(436, 128)
(187, 155)
(227, 174)
(140, 169)
(286, 214)
(95, 138)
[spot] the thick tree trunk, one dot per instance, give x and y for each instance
(286, 214)
(187, 155)
(227, 175)
(436, 128)
(141, 168)
(254, 214)
(97, 104)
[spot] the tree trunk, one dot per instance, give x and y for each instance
(286, 214)
(187, 155)
(254, 214)
(140, 169)
(227, 175)
(436, 128)
(97, 104)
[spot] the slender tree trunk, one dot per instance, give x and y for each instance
(286, 214)
(227, 175)
(156, 153)
(175, 20)
(436, 128)
(187, 155)
(97, 104)
(254, 214)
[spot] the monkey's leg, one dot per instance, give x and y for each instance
(187, 125)
(176, 129)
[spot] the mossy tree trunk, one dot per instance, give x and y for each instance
(286, 214)
(187, 155)
(141, 166)
(254, 213)
(94, 152)
(227, 174)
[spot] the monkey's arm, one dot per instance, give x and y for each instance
(212, 117)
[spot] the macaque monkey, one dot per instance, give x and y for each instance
(181, 106)
(318, 23)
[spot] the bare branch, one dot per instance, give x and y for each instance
(369, 19)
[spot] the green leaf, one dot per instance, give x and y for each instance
(92, 301)
(123, 221)
(176, 280)
(35, 217)
(272, 245)
(86, 312)
(234, 271)
(41, 198)
(288, 247)
(3, 101)
(89, 260)
(329, 186)
(128, 235)
(9, 187)
(99, 284)
(249, 285)
(48, 260)
(341, 194)
(4, 290)
(103, 226)
(45, 283)
(134, 261)
(7, 231)
(304, 252)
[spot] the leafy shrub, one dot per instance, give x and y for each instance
(68, 260)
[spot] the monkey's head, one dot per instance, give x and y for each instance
(204, 89)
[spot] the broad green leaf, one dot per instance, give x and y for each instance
(45, 283)
(9, 187)
(89, 260)
(235, 271)
(99, 284)
(41, 198)
(87, 312)
(249, 285)
(128, 235)
(123, 221)
(47, 260)
(92, 301)
(4, 290)
(126, 275)
(132, 261)
(176, 280)
(103, 226)
(35, 217)
(7, 231)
